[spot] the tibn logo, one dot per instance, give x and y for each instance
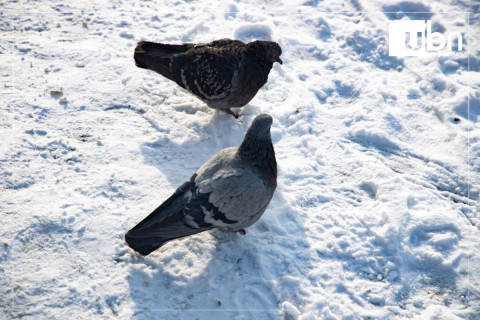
(399, 44)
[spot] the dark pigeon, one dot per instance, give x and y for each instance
(224, 73)
(231, 190)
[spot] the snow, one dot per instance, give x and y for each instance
(376, 211)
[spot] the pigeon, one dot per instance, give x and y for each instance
(230, 191)
(224, 73)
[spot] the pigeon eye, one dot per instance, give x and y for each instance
(275, 55)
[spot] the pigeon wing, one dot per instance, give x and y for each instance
(177, 201)
(222, 43)
(234, 196)
(208, 73)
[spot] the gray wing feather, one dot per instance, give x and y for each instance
(176, 202)
(235, 189)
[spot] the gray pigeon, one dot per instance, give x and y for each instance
(231, 190)
(224, 73)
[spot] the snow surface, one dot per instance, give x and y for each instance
(376, 214)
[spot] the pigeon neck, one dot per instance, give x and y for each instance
(266, 64)
(259, 55)
(258, 149)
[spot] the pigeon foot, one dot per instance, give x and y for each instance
(233, 114)
(241, 231)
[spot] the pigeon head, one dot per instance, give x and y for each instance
(257, 143)
(267, 52)
(261, 125)
(257, 148)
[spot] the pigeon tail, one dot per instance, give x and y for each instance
(146, 239)
(157, 56)
(159, 226)
(142, 245)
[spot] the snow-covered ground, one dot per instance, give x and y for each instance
(376, 214)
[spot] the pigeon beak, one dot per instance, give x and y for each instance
(277, 59)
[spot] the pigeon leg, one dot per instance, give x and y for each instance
(232, 113)
(241, 231)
